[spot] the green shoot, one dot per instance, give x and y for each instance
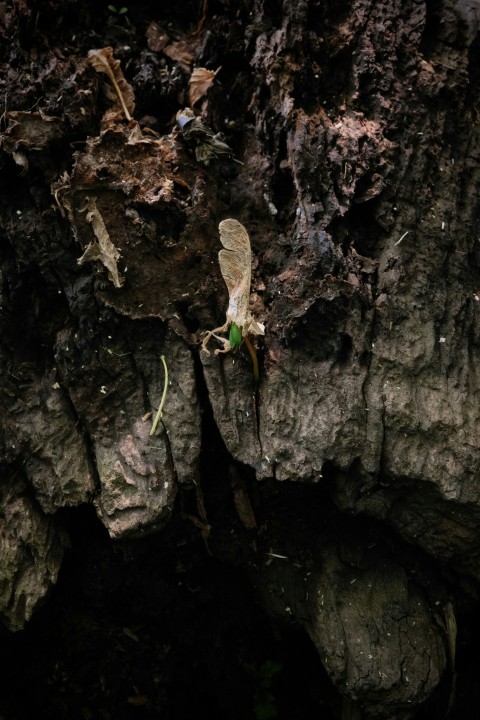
(164, 395)
(114, 10)
(235, 338)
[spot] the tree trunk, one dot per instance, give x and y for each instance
(333, 504)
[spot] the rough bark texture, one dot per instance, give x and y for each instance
(344, 488)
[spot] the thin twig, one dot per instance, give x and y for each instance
(253, 355)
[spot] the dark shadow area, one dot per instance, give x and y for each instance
(171, 627)
(139, 630)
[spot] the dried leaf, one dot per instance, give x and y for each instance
(145, 136)
(30, 130)
(201, 22)
(235, 261)
(103, 62)
(182, 52)
(200, 82)
(103, 250)
(206, 144)
(136, 135)
(156, 36)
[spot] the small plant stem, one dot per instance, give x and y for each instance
(253, 355)
(164, 395)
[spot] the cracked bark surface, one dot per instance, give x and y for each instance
(357, 129)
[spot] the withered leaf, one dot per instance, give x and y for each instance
(182, 52)
(103, 250)
(30, 130)
(200, 82)
(103, 62)
(156, 36)
(206, 144)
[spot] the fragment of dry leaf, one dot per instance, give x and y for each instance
(236, 267)
(206, 144)
(201, 80)
(103, 249)
(157, 37)
(182, 52)
(103, 61)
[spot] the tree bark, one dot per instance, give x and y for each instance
(348, 476)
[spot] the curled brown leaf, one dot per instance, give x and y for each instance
(200, 82)
(103, 61)
(182, 52)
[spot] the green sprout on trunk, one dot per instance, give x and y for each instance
(120, 11)
(235, 337)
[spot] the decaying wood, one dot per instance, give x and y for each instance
(358, 134)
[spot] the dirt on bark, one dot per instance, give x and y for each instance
(306, 543)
